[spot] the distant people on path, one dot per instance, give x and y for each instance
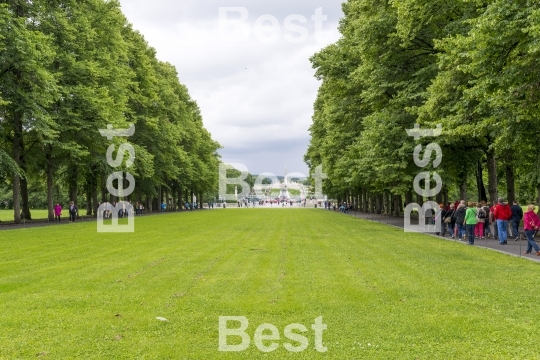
(486, 220)
(493, 223)
(515, 219)
(460, 221)
(481, 217)
(450, 220)
(57, 212)
(440, 217)
(470, 221)
(72, 212)
(163, 206)
(531, 223)
(502, 213)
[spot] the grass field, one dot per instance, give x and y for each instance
(7, 215)
(68, 292)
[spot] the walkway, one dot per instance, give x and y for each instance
(514, 248)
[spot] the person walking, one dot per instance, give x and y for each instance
(502, 214)
(481, 217)
(460, 221)
(72, 212)
(450, 220)
(57, 212)
(470, 221)
(493, 223)
(486, 220)
(440, 218)
(515, 219)
(531, 223)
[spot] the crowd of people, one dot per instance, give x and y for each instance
(271, 202)
(137, 209)
(501, 221)
(333, 205)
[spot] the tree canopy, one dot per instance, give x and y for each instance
(466, 65)
(67, 70)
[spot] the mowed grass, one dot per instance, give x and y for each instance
(67, 292)
(7, 215)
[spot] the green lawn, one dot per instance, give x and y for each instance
(277, 192)
(7, 215)
(68, 292)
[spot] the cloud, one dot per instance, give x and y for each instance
(256, 98)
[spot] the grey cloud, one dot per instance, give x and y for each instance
(167, 12)
(261, 114)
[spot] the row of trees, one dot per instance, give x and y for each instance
(471, 66)
(69, 68)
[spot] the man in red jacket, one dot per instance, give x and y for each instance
(502, 213)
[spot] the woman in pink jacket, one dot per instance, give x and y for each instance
(531, 223)
(57, 212)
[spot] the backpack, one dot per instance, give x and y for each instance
(482, 214)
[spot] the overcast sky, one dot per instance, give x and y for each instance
(252, 80)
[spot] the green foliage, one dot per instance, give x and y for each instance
(467, 65)
(70, 68)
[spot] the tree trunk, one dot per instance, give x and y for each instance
(538, 197)
(397, 205)
(148, 204)
(180, 197)
(174, 202)
(510, 187)
(408, 197)
(94, 199)
(439, 198)
(365, 200)
(24, 180)
(73, 185)
(419, 199)
(24, 197)
(480, 183)
(17, 153)
(387, 207)
(445, 196)
(50, 200)
(492, 176)
(88, 201)
(378, 203)
(103, 194)
(463, 188)
(16, 199)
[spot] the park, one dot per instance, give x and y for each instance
(273, 180)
